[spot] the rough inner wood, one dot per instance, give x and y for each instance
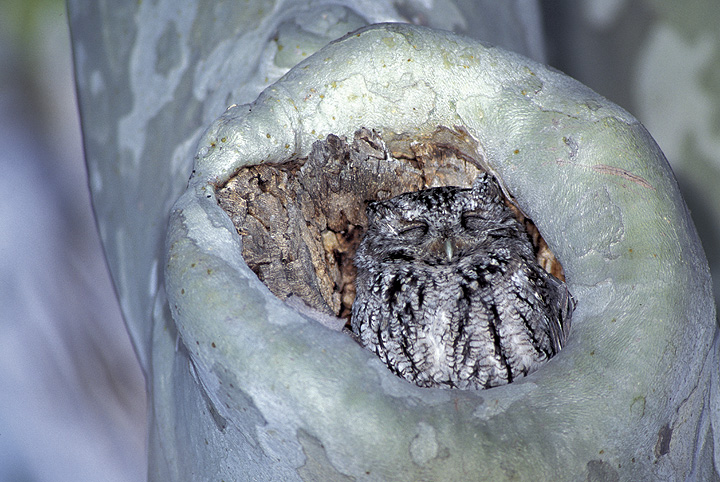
(301, 221)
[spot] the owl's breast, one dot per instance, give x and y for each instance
(441, 314)
(434, 343)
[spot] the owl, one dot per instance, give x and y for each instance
(449, 293)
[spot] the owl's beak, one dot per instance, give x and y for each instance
(449, 248)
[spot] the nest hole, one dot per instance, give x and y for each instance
(302, 220)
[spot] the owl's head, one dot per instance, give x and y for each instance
(438, 225)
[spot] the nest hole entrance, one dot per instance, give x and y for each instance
(302, 220)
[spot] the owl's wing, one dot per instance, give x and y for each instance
(561, 305)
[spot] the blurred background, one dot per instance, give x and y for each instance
(72, 396)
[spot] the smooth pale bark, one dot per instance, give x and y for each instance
(243, 387)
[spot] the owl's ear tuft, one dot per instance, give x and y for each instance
(377, 210)
(486, 186)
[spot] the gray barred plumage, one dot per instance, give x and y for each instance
(449, 292)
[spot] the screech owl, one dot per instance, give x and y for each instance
(449, 293)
